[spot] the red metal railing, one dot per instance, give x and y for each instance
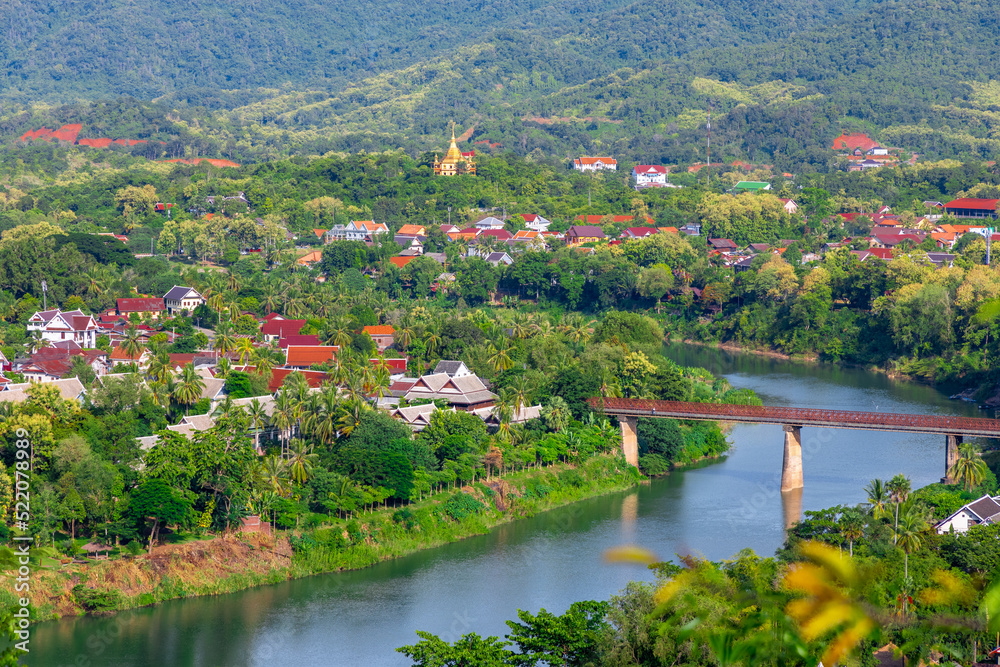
(882, 421)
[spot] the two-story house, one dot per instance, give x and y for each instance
(56, 326)
(649, 175)
(181, 298)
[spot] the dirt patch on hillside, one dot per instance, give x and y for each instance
(193, 568)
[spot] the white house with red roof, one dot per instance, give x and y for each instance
(639, 232)
(647, 175)
(535, 222)
(56, 326)
(595, 164)
(789, 206)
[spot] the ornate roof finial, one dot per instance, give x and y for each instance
(453, 131)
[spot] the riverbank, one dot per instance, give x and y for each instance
(241, 561)
(733, 347)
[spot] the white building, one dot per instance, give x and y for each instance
(649, 175)
(489, 222)
(536, 223)
(182, 298)
(984, 510)
(56, 326)
(595, 164)
(356, 230)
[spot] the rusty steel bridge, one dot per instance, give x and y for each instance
(628, 410)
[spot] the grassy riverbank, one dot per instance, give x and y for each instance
(237, 562)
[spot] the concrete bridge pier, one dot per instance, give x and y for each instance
(951, 443)
(791, 465)
(630, 440)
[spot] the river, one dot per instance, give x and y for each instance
(551, 560)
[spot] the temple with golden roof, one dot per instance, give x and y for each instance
(449, 166)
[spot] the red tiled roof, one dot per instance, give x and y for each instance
(298, 340)
(278, 375)
(501, 234)
(307, 355)
(850, 141)
(379, 330)
(650, 169)
(141, 305)
(978, 204)
(641, 231)
(118, 354)
(394, 365)
(401, 261)
(282, 328)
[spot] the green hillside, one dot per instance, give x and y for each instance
(255, 81)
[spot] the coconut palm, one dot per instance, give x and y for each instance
(908, 535)
(899, 491)
(245, 350)
(499, 357)
(258, 420)
(223, 367)
(968, 469)
(352, 412)
(404, 333)
(301, 461)
(132, 342)
(262, 363)
(188, 387)
(225, 341)
(274, 472)
(284, 416)
(852, 528)
(432, 339)
(878, 498)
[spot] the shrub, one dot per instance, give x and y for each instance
(96, 601)
(572, 478)
(462, 505)
(653, 464)
(134, 548)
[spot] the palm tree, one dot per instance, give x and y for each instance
(899, 491)
(969, 469)
(275, 473)
(223, 367)
(852, 528)
(432, 340)
(878, 498)
(301, 462)
(132, 342)
(224, 342)
(245, 349)
(189, 387)
(908, 536)
(284, 416)
(262, 363)
(404, 333)
(352, 412)
(258, 420)
(499, 357)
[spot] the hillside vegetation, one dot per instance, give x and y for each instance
(257, 81)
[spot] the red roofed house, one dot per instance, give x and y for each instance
(580, 234)
(649, 175)
(790, 206)
(638, 232)
(55, 326)
(850, 141)
(305, 356)
(400, 262)
(395, 366)
(595, 164)
(536, 222)
(972, 208)
(381, 334)
(281, 328)
(143, 306)
(299, 339)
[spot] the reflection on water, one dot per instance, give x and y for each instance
(551, 560)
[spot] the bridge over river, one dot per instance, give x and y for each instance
(628, 410)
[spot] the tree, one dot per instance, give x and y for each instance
(968, 469)
(878, 498)
(899, 490)
(570, 639)
(655, 282)
(908, 536)
(189, 387)
(471, 649)
(156, 501)
(301, 462)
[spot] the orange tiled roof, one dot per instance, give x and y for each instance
(401, 261)
(414, 230)
(307, 355)
(379, 330)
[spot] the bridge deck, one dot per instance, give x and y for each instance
(871, 421)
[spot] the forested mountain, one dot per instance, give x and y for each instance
(560, 77)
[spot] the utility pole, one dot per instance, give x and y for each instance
(989, 241)
(45, 295)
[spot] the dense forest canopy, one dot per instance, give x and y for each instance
(556, 78)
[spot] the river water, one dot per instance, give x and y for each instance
(551, 560)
